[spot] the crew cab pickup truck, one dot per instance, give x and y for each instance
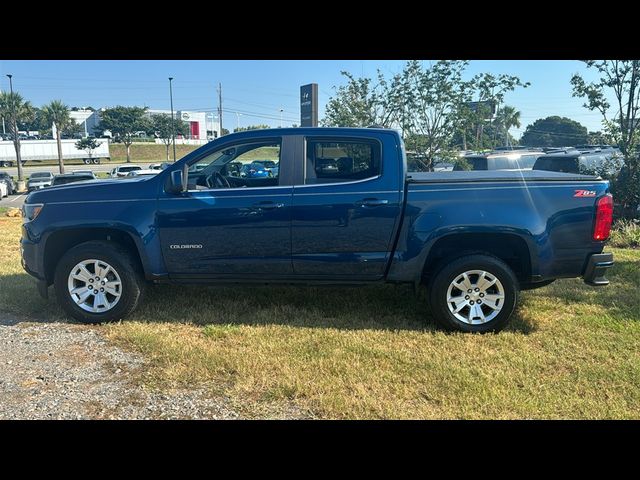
(474, 239)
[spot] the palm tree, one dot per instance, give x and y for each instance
(57, 113)
(508, 118)
(24, 112)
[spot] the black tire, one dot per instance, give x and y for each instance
(132, 289)
(86, 161)
(437, 290)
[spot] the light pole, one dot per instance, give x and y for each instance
(281, 110)
(238, 119)
(173, 125)
(16, 137)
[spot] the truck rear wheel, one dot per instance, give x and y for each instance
(474, 293)
(98, 282)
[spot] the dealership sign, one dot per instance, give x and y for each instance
(309, 105)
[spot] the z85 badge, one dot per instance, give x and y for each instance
(585, 193)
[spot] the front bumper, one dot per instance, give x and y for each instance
(597, 266)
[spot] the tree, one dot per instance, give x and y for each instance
(161, 125)
(429, 103)
(600, 138)
(88, 144)
(360, 103)
(507, 118)
(621, 78)
(251, 127)
(554, 132)
(56, 113)
(10, 104)
(492, 89)
(224, 131)
(123, 122)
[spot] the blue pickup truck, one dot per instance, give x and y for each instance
(341, 209)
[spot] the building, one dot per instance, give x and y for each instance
(87, 119)
(203, 126)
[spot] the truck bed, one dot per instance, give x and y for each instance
(497, 176)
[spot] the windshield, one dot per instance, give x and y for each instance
(41, 175)
(129, 169)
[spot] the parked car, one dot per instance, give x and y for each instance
(122, 170)
(159, 166)
(8, 181)
(85, 172)
(142, 172)
(592, 162)
(473, 239)
(71, 178)
(269, 165)
(38, 180)
(512, 160)
(4, 191)
(255, 170)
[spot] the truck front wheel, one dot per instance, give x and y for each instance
(474, 293)
(98, 282)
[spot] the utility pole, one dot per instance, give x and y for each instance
(16, 137)
(173, 124)
(220, 105)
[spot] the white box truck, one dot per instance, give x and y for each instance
(39, 150)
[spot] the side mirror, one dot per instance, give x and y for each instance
(178, 184)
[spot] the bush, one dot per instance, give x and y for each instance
(625, 187)
(625, 234)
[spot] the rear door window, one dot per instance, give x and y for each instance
(341, 161)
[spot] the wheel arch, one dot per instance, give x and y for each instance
(60, 241)
(508, 247)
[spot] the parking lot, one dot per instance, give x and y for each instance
(29, 169)
(18, 199)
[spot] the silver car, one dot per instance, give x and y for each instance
(39, 180)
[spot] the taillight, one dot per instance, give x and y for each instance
(604, 217)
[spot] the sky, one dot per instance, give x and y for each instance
(254, 91)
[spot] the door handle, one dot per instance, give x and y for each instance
(267, 205)
(372, 202)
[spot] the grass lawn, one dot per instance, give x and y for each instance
(140, 153)
(147, 153)
(573, 351)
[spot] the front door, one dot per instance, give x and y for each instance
(235, 219)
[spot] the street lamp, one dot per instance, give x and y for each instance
(16, 137)
(238, 119)
(173, 125)
(281, 110)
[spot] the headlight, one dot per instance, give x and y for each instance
(31, 210)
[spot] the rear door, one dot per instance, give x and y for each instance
(346, 206)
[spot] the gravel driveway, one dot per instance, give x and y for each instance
(69, 371)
